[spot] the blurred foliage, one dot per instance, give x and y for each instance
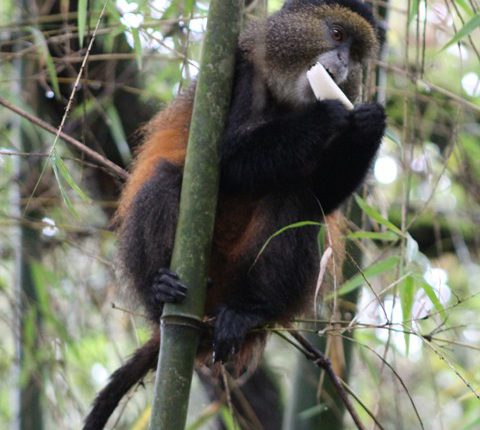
(417, 325)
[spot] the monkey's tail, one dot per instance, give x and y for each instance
(122, 380)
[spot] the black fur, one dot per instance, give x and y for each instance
(147, 234)
(299, 164)
(279, 149)
(278, 283)
(294, 164)
(121, 381)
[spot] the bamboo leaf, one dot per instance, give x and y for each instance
(118, 133)
(473, 425)
(65, 174)
(49, 64)
(387, 236)
(432, 295)
(374, 270)
(393, 137)
(62, 174)
(283, 230)
(375, 215)
(322, 239)
(412, 13)
(142, 421)
(412, 249)
(407, 291)
(466, 8)
(137, 46)
(465, 31)
(313, 411)
(227, 419)
(81, 20)
(210, 412)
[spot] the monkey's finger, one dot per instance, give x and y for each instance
(168, 272)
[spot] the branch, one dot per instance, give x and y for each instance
(319, 359)
(111, 167)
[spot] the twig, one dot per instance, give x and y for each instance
(318, 358)
(112, 167)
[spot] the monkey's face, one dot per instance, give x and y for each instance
(293, 41)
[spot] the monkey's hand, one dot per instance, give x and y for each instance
(167, 288)
(351, 152)
(333, 116)
(368, 120)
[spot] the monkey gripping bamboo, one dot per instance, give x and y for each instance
(180, 324)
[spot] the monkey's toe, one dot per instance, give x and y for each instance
(231, 328)
(229, 334)
(167, 287)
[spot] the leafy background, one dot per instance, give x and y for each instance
(416, 335)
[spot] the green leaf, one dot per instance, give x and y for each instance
(407, 292)
(45, 52)
(466, 30)
(81, 20)
(207, 415)
(393, 137)
(283, 230)
(322, 239)
(118, 133)
(466, 7)
(137, 46)
(62, 174)
(412, 249)
(432, 295)
(313, 411)
(375, 215)
(412, 13)
(227, 419)
(68, 178)
(387, 236)
(375, 269)
(473, 426)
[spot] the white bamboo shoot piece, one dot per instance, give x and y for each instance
(324, 87)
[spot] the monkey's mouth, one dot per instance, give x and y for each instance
(331, 75)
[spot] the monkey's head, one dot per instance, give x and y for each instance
(340, 34)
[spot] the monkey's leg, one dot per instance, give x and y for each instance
(269, 288)
(231, 327)
(146, 240)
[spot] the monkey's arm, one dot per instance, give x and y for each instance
(279, 152)
(343, 166)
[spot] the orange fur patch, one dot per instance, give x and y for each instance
(166, 139)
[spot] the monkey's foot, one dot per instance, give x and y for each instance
(167, 287)
(230, 330)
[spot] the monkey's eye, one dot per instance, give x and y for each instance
(338, 34)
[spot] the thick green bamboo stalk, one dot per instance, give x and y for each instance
(180, 324)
